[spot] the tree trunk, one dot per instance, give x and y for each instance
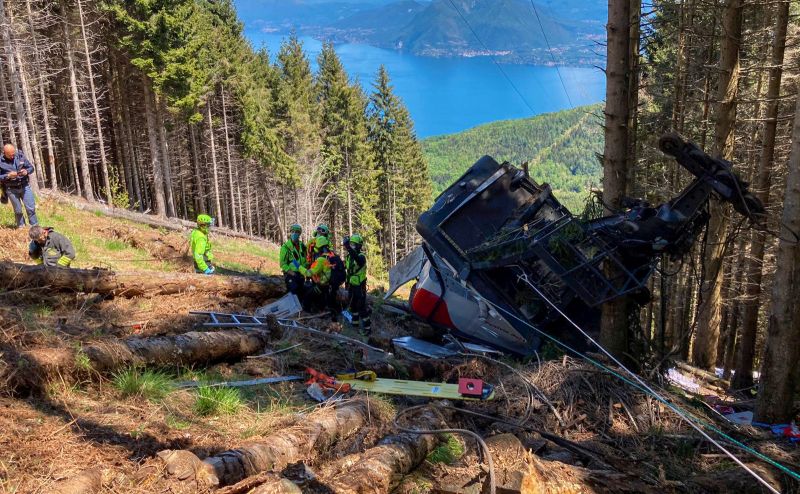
(310, 436)
(51, 159)
(36, 367)
(380, 468)
(234, 222)
(155, 158)
(778, 377)
(95, 106)
(614, 321)
(16, 84)
(217, 203)
(165, 160)
(15, 276)
(80, 136)
(747, 343)
(6, 102)
(704, 350)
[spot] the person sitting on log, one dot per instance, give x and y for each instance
(200, 246)
(292, 258)
(50, 248)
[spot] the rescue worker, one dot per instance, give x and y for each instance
(50, 248)
(321, 231)
(15, 172)
(356, 282)
(292, 258)
(327, 274)
(200, 246)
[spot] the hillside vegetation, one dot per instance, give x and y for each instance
(561, 148)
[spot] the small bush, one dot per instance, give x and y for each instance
(217, 400)
(447, 452)
(82, 361)
(148, 384)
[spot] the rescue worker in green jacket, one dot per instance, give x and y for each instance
(356, 282)
(321, 231)
(50, 248)
(200, 246)
(327, 274)
(292, 258)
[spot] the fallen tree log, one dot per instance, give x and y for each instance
(174, 224)
(312, 435)
(15, 276)
(381, 468)
(36, 367)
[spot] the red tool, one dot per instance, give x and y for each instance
(326, 381)
(470, 387)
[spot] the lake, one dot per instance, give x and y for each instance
(446, 95)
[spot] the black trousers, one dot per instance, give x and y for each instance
(295, 283)
(358, 305)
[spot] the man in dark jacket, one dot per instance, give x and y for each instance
(50, 248)
(15, 172)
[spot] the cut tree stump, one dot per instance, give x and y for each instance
(34, 368)
(380, 468)
(314, 434)
(14, 276)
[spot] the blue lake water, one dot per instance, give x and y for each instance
(446, 95)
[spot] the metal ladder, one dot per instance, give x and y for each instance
(223, 320)
(245, 321)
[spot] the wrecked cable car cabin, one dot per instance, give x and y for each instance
(502, 261)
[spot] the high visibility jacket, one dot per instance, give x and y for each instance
(320, 271)
(292, 252)
(56, 251)
(356, 267)
(200, 246)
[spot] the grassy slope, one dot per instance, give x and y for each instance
(561, 148)
(97, 244)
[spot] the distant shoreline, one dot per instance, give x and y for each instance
(541, 58)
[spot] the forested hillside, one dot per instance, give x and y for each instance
(165, 107)
(561, 149)
(724, 75)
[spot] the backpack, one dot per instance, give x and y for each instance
(338, 272)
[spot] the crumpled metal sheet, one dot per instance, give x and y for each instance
(284, 307)
(406, 270)
(421, 347)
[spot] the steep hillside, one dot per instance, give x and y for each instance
(561, 148)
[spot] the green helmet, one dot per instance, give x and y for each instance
(356, 239)
(296, 228)
(323, 231)
(204, 219)
(321, 242)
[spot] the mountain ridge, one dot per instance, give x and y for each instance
(506, 29)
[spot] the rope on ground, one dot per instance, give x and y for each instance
(487, 453)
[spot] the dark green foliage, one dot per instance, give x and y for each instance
(561, 148)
